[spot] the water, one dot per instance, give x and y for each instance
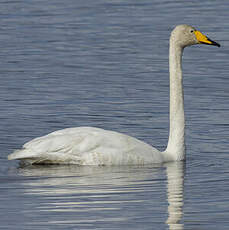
(105, 64)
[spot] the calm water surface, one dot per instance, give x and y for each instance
(105, 64)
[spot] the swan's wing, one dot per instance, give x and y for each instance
(85, 145)
(58, 146)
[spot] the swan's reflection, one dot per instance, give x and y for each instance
(95, 189)
(175, 176)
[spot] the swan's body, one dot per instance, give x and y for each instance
(89, 146)
(94, 146)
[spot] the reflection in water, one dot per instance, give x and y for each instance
(99, 194)
(175, 176)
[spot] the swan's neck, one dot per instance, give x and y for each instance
(176, 143)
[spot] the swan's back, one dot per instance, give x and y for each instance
(87, 146)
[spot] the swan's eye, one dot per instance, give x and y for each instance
(191, 31)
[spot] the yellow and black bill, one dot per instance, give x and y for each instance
(204, 39)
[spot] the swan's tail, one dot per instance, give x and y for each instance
(21, 154)
(28, 157)
(24, 155)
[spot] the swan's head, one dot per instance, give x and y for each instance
(185, 35)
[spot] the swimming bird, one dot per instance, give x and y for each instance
(95, 146)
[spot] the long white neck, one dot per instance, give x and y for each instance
(176, 142)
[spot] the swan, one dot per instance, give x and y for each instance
(95, 146)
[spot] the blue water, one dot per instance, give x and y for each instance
(105, 64)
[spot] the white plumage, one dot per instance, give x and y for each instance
(88, 146)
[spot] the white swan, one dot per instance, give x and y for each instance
(94, 146)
